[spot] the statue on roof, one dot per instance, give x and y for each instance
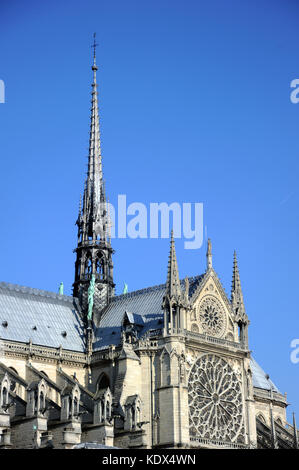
(90, 296)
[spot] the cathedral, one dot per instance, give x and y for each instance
(168, 366)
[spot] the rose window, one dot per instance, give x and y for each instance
(212, 316)
(215, 401)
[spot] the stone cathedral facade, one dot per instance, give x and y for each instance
(167, 366)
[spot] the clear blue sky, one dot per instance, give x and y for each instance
(194, 101)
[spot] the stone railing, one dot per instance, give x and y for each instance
(267, 394)
(197, 336)
(212, 339)
(42, 351)
(216, 443)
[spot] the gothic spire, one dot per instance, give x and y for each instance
(173, 286)
(94, 251)
(94, 210)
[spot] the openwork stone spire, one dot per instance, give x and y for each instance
(94, 252)
(94, 213)
(173, 286)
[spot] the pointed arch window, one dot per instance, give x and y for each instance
(70, 407)
(41, 401)
(100, 266)
(4, 396)
(88, 266)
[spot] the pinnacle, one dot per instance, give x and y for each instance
(173, 287)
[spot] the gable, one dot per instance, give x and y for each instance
(211, 310)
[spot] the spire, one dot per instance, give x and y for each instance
(173, 286)
(94, 210)
(295, 432)
(236, 292)
(209, 255)
(173, 302)
(94, 251)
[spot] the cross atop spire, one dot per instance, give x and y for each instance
(94, 46)
(173, 286)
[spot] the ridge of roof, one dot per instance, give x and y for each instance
(151, 288)
(37, 292)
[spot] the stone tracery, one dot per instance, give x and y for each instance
(215, 401)
(212, 316)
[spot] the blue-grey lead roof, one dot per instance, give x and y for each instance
(40, 316)
(260, 378)
(43, 316)
(146, 303)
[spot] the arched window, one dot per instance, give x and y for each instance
(165, 369)
(76, 406)
(88, 266)
(137, 415)
(100, 266)
(107, 410)
(240, 331)
(4, 396)
(41, 401)
(102, 411)
(174, 317)
(168, 316)
(103, 382)
(133, 417)
(35, 400)
(70, 407)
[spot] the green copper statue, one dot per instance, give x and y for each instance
(61, 288)
(125, 291)
(90, 296)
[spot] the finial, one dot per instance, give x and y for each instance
(94, 46)
(209, 255)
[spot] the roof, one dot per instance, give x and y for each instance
(145, 304)
(24, 308)
(260, 379)
(41, 316)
